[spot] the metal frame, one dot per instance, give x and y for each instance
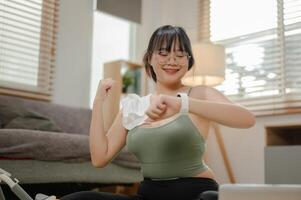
(5, 177)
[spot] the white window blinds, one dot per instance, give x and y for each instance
(27, 47)
(263, 44)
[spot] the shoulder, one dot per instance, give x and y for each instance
(208, 93)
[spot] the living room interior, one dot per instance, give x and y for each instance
(262, 43)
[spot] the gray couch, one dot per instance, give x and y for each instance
(35, 156)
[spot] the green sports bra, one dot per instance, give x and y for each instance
(172, 150)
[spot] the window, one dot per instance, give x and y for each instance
(263, 43)
(111, 41)
(27, 47)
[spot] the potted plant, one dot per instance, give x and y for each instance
(127, 80)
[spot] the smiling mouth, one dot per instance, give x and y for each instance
(171, 71)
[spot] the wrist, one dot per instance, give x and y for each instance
(174, 102)
(167, 99)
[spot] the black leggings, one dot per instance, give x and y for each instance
(180, 189)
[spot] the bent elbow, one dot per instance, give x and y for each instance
(249, 125)
(98, 163)
(250, 122)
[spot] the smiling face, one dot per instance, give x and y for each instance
(169, 55)
(170, 63)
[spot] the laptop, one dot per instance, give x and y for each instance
(259, 192)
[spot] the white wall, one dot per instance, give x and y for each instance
(74, 50)
(105, 28)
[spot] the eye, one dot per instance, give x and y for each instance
(181, 54)
(163, 53)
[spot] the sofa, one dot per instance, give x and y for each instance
(55, 147)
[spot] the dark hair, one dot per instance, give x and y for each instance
(167, 35)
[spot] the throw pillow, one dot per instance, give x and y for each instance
(33, 121)
(10, 109)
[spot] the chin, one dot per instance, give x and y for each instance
(174, 81)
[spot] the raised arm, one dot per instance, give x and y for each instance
(213, 105)
(105, 145)
(217, 107)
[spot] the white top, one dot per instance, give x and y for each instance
(133, 110)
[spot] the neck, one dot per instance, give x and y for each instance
(170, 89)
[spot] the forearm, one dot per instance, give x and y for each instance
(224, 113)
(97, 138)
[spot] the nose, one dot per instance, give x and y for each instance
(171, 60)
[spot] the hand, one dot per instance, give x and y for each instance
(157, 108)
(162, 106)
(103, 89)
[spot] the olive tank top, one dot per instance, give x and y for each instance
(169, 151)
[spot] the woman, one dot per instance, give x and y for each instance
(169, 139)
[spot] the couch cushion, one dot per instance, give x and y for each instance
(43, 145)
(33, 121)
(14, 114)
(10, 109)
(69, 119)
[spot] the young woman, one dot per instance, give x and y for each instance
(166, 130)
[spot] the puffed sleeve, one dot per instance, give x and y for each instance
(133, 110)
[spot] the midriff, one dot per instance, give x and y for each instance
(206, 174)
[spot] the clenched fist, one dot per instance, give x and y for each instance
(162, 106)
(103, 89)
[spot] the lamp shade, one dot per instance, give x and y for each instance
(209, 66)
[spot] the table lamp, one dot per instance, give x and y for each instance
(209, 66)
